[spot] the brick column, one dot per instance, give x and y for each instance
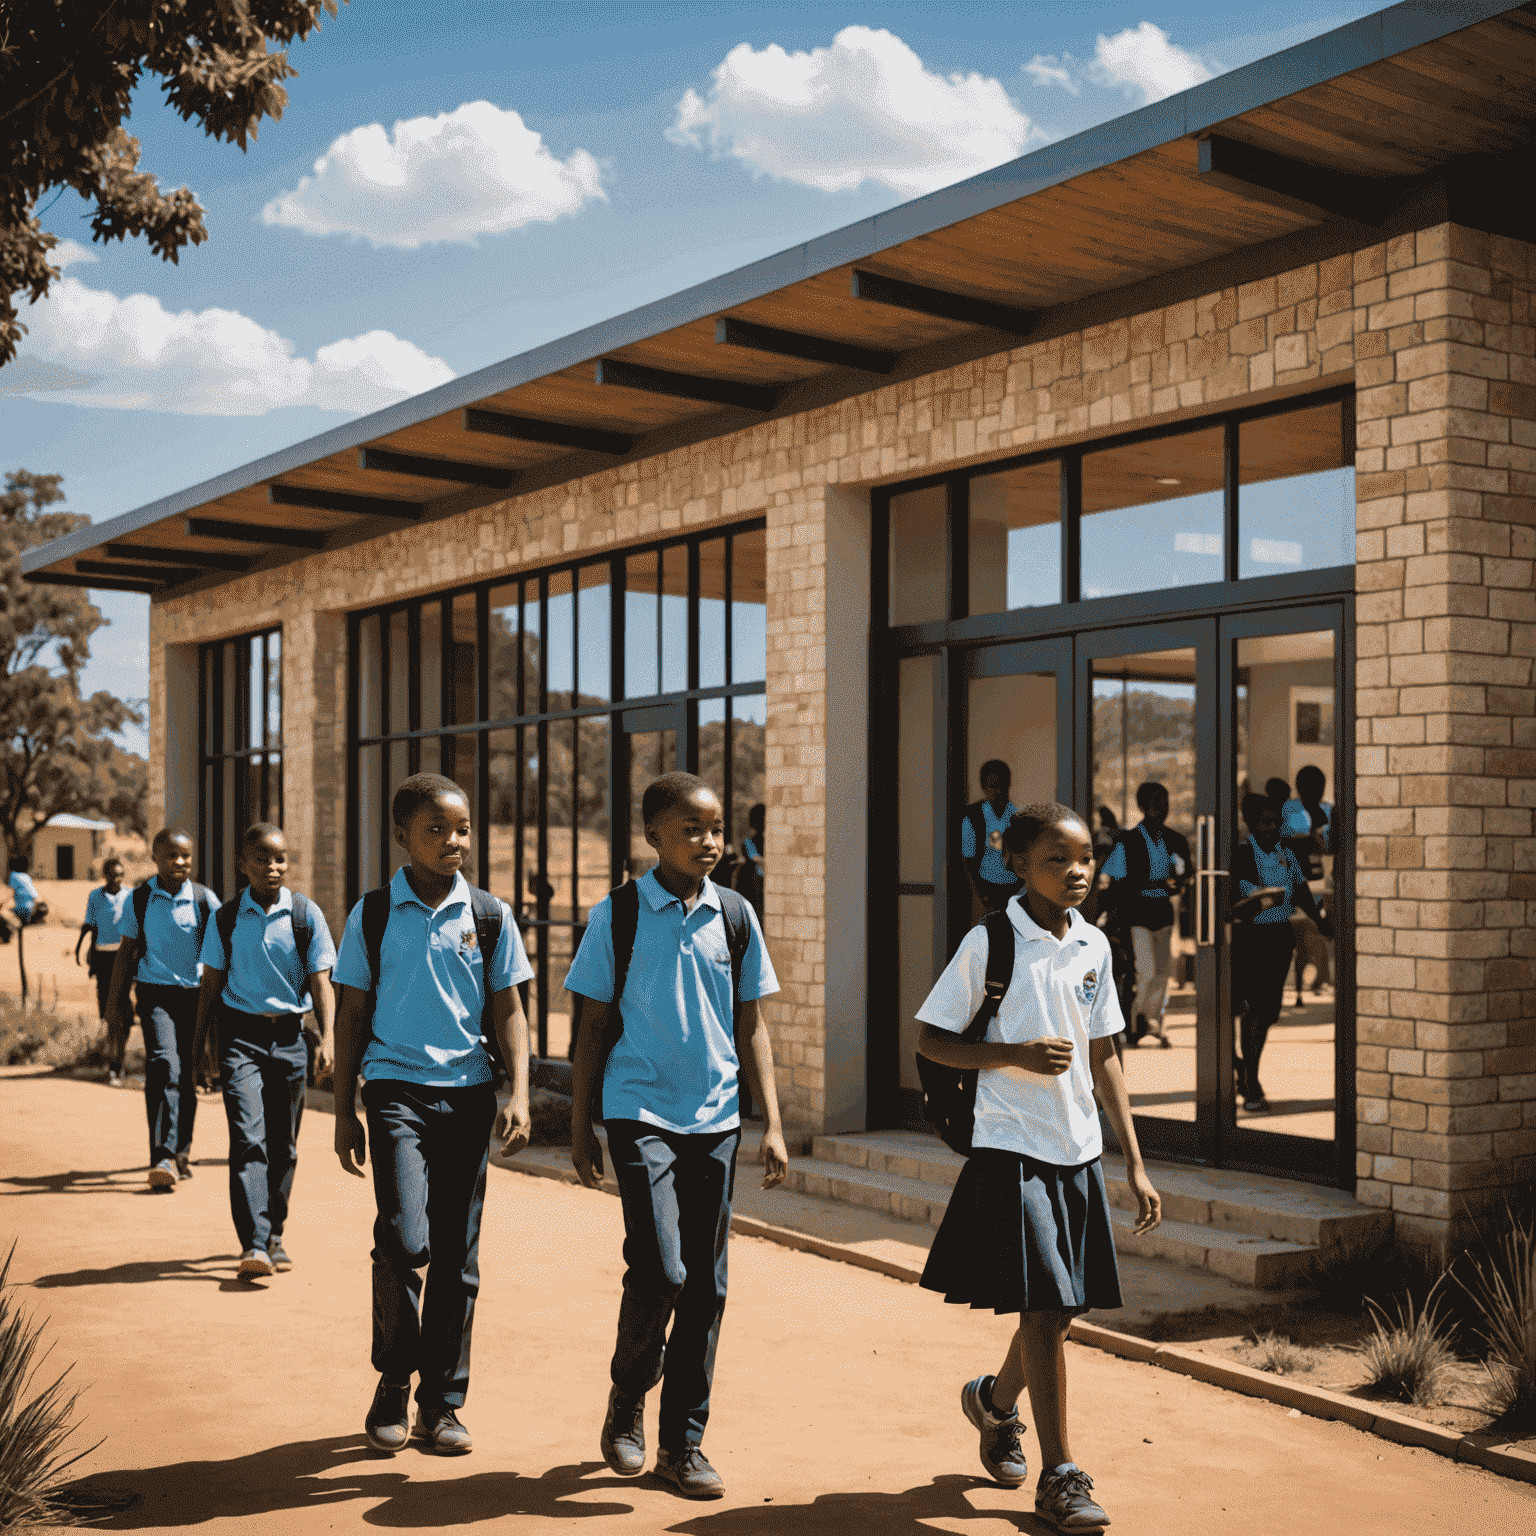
(1446, 754)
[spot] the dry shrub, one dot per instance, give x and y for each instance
(1408, 1359)
(32, 1429)
(46, 1037)
(1504, 1288)
(1270, 1351)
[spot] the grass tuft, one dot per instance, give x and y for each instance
(1504, 1288)
(46, 1037)
(1408, 1358)
(33, 1429)
(1273, 1352)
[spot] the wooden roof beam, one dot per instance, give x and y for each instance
(198, 560)
(556, 434)
(254, 533)
(343, 501)
(168, 575)
(684, 386)
(102, 583)
(1261, 176)
(730, 332)
(387, 460)
(874, 288)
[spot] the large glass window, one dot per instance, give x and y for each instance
(520, 692)
(242, 745)
(1015, 543)
(1296, 508)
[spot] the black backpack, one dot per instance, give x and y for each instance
(140, 899)
(949, 1093)
(303, 932)
(625, 904)
(486, 910)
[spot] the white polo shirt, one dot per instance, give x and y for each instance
(1061, 988)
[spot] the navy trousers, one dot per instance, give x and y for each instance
(168, 1017)
(262, 1065)
(676, 1192)
(429, 1148)
(1261, 961)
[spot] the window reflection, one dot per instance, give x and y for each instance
(592, 632)
(749, 607)
(1296, 505)
(1015, 554)
(1153, 514)
(712, 598)
(642, 660)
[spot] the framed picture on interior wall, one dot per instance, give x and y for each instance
(1312, 734)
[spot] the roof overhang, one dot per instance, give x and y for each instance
(1416, 115)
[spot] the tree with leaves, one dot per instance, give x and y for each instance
(68, 70)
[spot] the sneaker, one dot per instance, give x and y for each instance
(1257, 1105)
(623, 1439)
(279, 1255)
(438, 1425)
(1065, 1499)
(254, 1265)
(183, 1166)
(690, 1473)
(1001, 1454)
(163, 1175)
(388, 1425)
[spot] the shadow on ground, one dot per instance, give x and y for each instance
(218, 1267)
(78, 1181)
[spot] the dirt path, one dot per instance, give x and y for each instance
(237, 1409)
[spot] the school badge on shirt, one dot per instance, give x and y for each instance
(1087, 987)
(467, 943)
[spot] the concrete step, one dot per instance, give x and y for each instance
(1266, 1264)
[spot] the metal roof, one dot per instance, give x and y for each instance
(1373, 126)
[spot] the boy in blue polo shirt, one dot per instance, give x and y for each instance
(103, 919)
(677, 965)
(257, 987)
(164, 921)
(416, 951)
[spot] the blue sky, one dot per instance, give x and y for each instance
(652, 146)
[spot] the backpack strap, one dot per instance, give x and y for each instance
(303, 921)
(141, 895)
(375, 921)
(738, 934)
(978, 820)
(206, 902)
(486, 910)
(999, 927)
(224, 921)
(624, 905)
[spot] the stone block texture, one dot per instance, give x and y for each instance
(1435, 331)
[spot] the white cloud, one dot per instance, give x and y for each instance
(474, 171)
(864, 109)
(69, 253)
(1141, 62)
(211, 362)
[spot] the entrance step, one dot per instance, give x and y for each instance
(1263, 1232)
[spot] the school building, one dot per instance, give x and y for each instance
(1199, 448)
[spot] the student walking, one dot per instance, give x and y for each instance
(430, 967)
(104, 909)
(267, 959)
(163, 926)
(670, 972)
(1027, 1229)
(1270, 886)
(981, 830)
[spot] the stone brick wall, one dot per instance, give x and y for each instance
(1446, 716)
(1445, 700)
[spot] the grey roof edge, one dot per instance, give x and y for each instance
(1368, 40)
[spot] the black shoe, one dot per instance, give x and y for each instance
(1001, 1454)
(1141, 1025)
(183, 1166)
(623, 1438)
(388, 1425)
(1257, 1105)
(690, 1473)
(278, 1254)
(439, 1426)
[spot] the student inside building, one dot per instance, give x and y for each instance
(981, 838)
(430, 966)
(104, 909)
(670, 972)
(163, 926)
(267, 959)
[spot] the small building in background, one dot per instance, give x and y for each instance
(66, 847)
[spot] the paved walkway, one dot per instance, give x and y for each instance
(237, 1408)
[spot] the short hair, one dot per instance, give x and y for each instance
(1107, 817)
(421, 789)
(1311, 778)
(107, 863)
(1029, 824)
(258, 830)
(169, 835)
(1144, 792)
(1277, 789)
(994, 766)
(20, 863)
(1255, 806)
(669, 790)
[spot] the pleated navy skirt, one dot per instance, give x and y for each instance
(1025, 1236)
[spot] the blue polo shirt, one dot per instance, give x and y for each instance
(23, 892)
(170, 935)
(675, 1063)
(426, 1020)
(994, 867)
(104, 913)
(1296, 821)
(1274, 869)
(264, 973)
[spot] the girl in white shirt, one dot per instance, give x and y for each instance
(1027, 1229)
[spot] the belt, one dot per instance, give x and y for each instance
(269, 1018)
